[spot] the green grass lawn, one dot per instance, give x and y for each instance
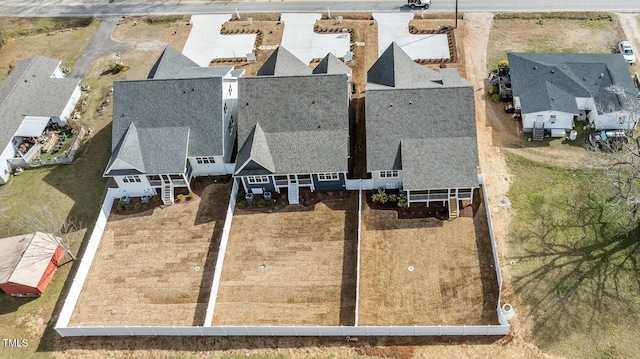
(576, 267)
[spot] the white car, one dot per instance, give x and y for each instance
(626, 50)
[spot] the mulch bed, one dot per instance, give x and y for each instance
(132, 206)
(420, 210)
(307, 199)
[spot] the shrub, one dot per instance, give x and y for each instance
(493, 89)
(380, 197)
(155, 198)
(120, 205)
(260, 203)
(402, 203)
(503, 63)
(271, 202)
(180, 197)
(242, 204)
(127, 206)
(137, 206)
(192, 195)
(197, 185)
(393, 197)
(495, 97)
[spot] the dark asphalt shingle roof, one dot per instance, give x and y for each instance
(304, 119)
(428, 131)
(157, 107)
(553, 81)
(394, 68)
(173, 65)
(31, 91)
(139, 149)
(330, 64)
(283, 63)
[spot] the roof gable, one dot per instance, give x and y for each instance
(330, 64)
(394, 68)
(283, 63)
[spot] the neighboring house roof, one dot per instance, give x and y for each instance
(394, 68)
(553, 81)
(283, 63)
(173, 65)
(29, 90)
(25, 258)
(293, 124)
(427, 130)
(172, 118)
(330, 64)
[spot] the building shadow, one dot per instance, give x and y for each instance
(488, 275)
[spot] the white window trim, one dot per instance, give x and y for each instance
(329, 176)
(389, 174)
(205, 160)
(257, 179)
(131, 179)
(552, 119)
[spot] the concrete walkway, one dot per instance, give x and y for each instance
(395, 27)
(298, 37)
(205, 42)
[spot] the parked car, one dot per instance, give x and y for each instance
(419, 3)
(626, 50)
(612, 140)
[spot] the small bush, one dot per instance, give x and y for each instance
(493, 89)
(127, 206)
(242, 204)
(503, 63)
(495, 97)
(270, 202)
(380, 197)
(155, 198)
(393, 198)
(197, 185)
(137, 206)
(260, 203)
(180, 197)
(192, 195)
(120, 206)
(402, 203)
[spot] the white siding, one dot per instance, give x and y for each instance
(205, 169)
(68, 109)
(135, 189)
(385, 181)
(564, 120)
(5, 168)
(230, 98)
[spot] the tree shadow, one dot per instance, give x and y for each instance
(581, 266)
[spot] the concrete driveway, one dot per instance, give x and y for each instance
(395, 27)
(205, 42)
(298, 37)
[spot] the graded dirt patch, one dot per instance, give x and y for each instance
(294, 267)
(426, 271)
(155, 268)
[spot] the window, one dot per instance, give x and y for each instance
(621, 120)
(205, 160)
(328, 177)
(257, 179)
(552, 119)
(388, 174)
(131, 179)
(230, 90)
(225, 108)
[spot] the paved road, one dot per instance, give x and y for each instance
(144, 7)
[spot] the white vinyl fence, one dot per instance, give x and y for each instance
(358, 254)
(208, 330)
(223, 248)
(85, 263)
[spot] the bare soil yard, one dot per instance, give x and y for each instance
(426, 271)
(293, 267)
(155, 268)
(172, 30)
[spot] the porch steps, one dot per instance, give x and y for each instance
(294, 194)
(453, 208)
(167, 193)
(538, 133)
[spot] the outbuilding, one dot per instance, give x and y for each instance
(28, 262)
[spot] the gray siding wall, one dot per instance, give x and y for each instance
(328, 185)
(267, 186)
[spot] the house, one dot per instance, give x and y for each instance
(177, 124)
(293, 126)
(28, 262)
(421, 131)
(34, 96)
(552, 91)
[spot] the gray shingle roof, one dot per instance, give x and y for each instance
(553, 81)
(330, 64)
(428, 131)
(305, 121)
(173, 65)
(31, 91)
(394, 68)
(140, 148)
(157, 107)
(283, 63)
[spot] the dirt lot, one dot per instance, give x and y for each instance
(425, 271)
(155, 268)
(172, 30)
(294, 267)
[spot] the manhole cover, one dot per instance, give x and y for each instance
(197, 268)
(410, 268)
